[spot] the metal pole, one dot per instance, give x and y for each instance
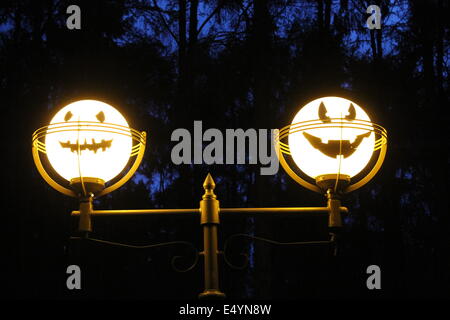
(334, 218)
(84, 224)
(281, 210)
(139, 212)
(334, 207)
(209, 219)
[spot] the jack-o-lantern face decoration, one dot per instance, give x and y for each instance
(335, 139)
(88, 139)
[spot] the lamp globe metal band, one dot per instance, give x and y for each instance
(332, 142)
(87, 144)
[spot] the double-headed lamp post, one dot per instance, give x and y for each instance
(88, 150)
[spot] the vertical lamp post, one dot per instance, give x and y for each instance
(331, 147)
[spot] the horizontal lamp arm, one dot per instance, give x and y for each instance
(304, 210)
(222, 210)
(139, 212)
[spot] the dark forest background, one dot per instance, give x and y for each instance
(231, 64)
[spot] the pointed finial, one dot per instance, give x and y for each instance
(209, 182)
(209, 186)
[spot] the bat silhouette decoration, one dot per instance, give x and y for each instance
(94, 146)
(323, 113)
(335, 148)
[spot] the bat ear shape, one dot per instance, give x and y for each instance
(68, 116)
(101, 116)
(351, 113)
(323, 113)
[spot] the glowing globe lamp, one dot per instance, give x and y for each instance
(87, 143)
(331, 140)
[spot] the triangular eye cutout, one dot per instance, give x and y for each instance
(323, 113)
(100, 116)
(351, 113)
(68, 116)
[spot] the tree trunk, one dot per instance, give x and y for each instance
(373, 44)
(440, 165)
(191, 56)
(193, 23)
(182, 40)
(261, 34)
(427, 56)
(379, 36)
(320, 17)
(440, 50)
(191, 94)
(327, 15)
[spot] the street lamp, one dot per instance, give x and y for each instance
(335, 147)
(88, 150)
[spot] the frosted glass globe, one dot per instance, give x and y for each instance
(88, 138)
(344, 148)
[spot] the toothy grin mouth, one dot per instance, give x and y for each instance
(335, 148)
(94, 146)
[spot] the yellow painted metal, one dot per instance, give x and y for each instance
(84, 186)
(37, 160)
(132, 170)
(334, 216)
(139, 212)
(209, 219)
(275, 210)
(288, 169)
(292, 210)
(372, 172)
(84, 224)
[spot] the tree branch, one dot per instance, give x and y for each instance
(164, 21)
(219, 6)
